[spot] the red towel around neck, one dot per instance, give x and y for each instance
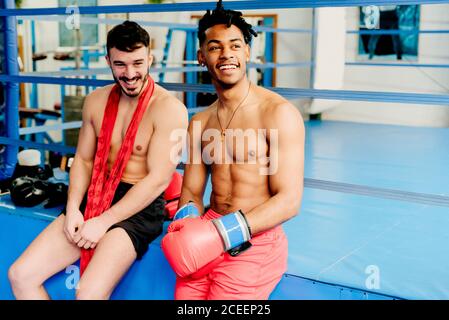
(103, 183)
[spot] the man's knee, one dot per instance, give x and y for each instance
(20, 276)
(87, 292)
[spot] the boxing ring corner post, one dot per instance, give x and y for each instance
(11, 90)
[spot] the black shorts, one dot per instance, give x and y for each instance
(142, 227)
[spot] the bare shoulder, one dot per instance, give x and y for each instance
(167, 109)
(100, 92)
(278, 111)
(166, 103)
(96, 98)
(204, 115)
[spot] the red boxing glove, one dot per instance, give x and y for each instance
(191, 244)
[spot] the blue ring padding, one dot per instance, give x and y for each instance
(267, 65)
(188, 210)
(272, 65)
(194, 27)
(173, 26)
(422, 198)
(383, 193)
(104, 71)
(41, 146)
(398, 32)
(196, 109)
(96, 21)
(39, 129)
(288, 93)
(11, 91)
(286, 30)
(196, 68)
(54, 80)
(414, 65)
(193, 6)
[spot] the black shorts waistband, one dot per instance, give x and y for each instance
(124, 185)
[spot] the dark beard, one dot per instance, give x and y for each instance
(144, 82)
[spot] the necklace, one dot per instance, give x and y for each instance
(223, 131)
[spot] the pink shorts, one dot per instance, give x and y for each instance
(252, 275)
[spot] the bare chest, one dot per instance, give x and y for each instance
(238, 144)
(121, 126)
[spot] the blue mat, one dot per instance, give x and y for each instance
(150, 278)
(339, 243)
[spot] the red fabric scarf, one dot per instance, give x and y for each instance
(103, 183)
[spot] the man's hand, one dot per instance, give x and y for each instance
(91, 232)
(190, 210)
(193, 243)
(73, 222)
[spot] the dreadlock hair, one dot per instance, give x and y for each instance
(228, 17)
(127, 36)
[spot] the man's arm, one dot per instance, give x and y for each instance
(195, 172)
(81, 169)
(207, 239)
(160, 161)
(286, 182)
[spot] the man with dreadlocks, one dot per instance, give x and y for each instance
(251, 141)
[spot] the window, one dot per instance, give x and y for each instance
(403, 18)
(89, 32)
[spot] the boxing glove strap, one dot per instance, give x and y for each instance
(189, 210)
(233, 228)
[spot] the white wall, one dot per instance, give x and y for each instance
(433, 48)
(295, 47)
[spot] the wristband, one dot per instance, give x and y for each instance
(233, 229)
(189, 210)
